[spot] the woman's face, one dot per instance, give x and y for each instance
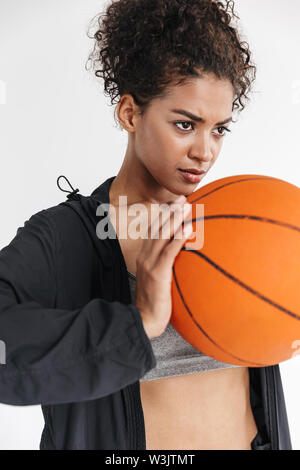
(167, 141)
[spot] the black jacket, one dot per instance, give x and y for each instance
(74, 342)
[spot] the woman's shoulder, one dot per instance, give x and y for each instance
(69, 223)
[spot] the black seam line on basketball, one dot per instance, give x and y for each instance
(242, 284)
(204, 332)
(245, 216)
(228, 184)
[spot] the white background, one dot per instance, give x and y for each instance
(55, 119)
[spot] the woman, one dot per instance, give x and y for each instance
(181, 69)
(102, 360)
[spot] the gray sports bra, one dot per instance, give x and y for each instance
(174, 355)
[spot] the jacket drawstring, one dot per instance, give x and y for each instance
(72, 194)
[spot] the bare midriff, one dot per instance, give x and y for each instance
(205, 411)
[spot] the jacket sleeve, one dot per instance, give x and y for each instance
(50, 355)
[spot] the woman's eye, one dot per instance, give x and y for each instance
(185, 122)
(224, 129)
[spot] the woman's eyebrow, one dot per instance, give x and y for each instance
(196, 118)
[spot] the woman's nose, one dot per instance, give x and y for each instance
(202, 151)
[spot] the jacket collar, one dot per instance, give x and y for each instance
(101, 193)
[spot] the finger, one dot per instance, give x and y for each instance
(174, 247)
(154, 230)
(168, 229)
(172, 218)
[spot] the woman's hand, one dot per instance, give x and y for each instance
(154, 268)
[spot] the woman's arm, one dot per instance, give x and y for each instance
(55, 355)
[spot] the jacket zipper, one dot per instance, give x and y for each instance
(270, 386)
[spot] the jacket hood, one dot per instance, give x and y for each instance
(108, 249)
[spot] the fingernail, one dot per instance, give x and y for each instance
(180, 199)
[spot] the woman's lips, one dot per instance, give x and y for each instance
(191, 177)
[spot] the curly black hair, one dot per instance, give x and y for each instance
(144, 46)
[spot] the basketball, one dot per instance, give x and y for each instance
(236, 292)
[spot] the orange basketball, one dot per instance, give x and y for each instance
(236, 297)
